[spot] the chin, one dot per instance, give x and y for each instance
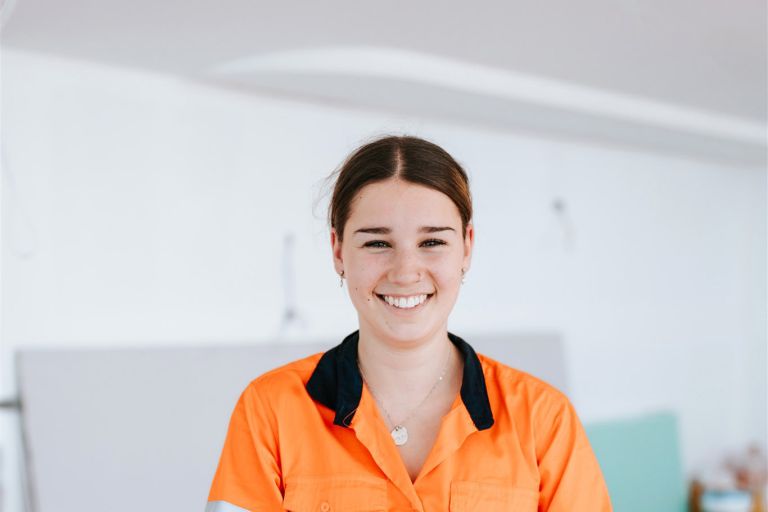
(407, 334)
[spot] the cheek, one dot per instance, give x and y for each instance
(446, 266)
(448, 280)
(362, 283)
(367, 268)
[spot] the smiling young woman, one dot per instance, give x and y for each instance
(402, 414)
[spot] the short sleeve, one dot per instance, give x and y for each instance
(248, 476)
(570, 475)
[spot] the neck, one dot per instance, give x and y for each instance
(401, 372)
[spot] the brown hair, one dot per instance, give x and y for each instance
(403, 157)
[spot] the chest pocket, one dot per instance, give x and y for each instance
(484, 496)
(335, 493)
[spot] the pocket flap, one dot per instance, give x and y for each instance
(484, 496)
(335, 493)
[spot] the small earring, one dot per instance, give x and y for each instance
(463, 280)
(341, 279)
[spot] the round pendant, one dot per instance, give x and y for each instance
(400, 435)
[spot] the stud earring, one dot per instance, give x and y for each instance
(341, 279)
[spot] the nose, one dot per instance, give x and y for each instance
(407, 268)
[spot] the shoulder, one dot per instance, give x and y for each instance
(283, 381)
(541, 413)
(521, 390)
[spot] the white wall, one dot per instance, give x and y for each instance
(142, 209)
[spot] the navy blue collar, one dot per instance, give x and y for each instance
(337, 384)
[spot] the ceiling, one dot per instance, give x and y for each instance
(702, 57)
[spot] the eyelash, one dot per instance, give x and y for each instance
(380, 244)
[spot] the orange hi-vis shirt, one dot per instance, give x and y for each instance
(308, 437)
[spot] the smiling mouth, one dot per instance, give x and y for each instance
(409, 302)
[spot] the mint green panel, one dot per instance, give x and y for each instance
(640, 460)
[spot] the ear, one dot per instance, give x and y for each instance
(338, 262)
(469, 243)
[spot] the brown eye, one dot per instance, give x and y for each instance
(433, 242)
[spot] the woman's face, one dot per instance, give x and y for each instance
(402, 256)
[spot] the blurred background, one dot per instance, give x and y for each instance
(163, 170)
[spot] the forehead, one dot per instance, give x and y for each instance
(394, 203)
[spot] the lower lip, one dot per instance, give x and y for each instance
(406, 310)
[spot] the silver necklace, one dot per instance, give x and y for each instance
(399, 433)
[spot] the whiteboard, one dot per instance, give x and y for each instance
(142, 429)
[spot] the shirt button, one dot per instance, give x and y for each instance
(325, 506)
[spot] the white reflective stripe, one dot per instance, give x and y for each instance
(222, 506)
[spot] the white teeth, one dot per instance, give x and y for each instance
(405, 302)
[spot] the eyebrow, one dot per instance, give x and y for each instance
(386, 231)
